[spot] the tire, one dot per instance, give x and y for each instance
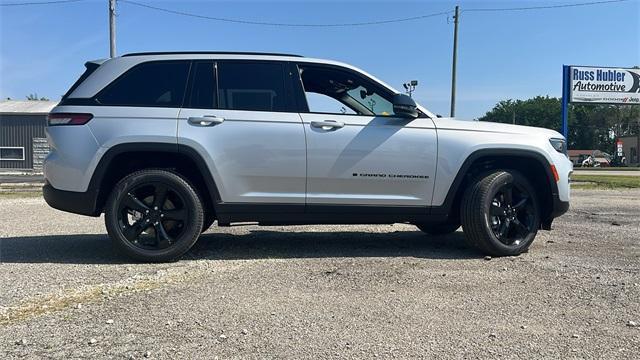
(500, 213)
(154, 215)
(439, 229)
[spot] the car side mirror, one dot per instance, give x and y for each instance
(404, 106)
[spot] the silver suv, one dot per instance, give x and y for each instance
(164, 144)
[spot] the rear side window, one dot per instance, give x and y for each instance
(257, 86)
(156, 84)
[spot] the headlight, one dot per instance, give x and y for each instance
(559, 144)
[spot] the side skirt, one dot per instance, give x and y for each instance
(300, 214)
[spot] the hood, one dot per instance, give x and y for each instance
(454, 124)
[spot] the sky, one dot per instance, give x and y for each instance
(501, 54)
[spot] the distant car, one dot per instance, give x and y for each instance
(164, 144)
(592, 161)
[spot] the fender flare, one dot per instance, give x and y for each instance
(100, 170)
(448, 203)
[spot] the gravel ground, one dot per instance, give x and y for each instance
(323, 291)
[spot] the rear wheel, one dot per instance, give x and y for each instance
(500, 213)
(154, 215)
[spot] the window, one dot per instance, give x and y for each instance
(257, 86)
(371, 100)
(11, 153)
(158, 84)
(321, 103)
(354, 92)
(203, 94)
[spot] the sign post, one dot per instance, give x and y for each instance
(566, 84)
(598, 85)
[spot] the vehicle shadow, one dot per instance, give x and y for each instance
(257, 244)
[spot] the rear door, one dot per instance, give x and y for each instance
(358, 152)
(247, 130)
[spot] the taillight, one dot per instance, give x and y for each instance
(55, 119)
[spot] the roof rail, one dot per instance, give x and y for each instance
(208, 52)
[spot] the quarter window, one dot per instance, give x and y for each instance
(257, 86)
(157, 84)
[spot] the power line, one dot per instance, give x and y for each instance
(365, 23)
(251, 22)
(40, 2)
(544, 7)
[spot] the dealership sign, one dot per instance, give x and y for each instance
(604, 85)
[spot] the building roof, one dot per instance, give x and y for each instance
(580, 152)
(26, 106)
(628, 137)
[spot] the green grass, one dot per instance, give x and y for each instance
(604, 182)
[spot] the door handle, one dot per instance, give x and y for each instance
(327, 124)
(206, 120)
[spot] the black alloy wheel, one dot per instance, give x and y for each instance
(512, 214)
(500, 214)
(154, 215)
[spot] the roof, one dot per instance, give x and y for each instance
(26, 106)
(627, 137)
(208, 52)
(580, 152)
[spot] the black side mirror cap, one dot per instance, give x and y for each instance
(404, 106)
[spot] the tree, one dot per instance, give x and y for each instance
(34, 97)
(591, 126)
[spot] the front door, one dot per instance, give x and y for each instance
(358, 152)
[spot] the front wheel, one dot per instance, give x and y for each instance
(154, 215)
(500, 214)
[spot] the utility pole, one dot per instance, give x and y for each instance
(112, 28)
(455, 58)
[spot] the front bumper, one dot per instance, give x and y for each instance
(559, 207)
(83, 203)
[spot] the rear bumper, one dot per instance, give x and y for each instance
(83, 203)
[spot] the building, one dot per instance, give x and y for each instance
(630, 149)
(23, 144)
(578, 156)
